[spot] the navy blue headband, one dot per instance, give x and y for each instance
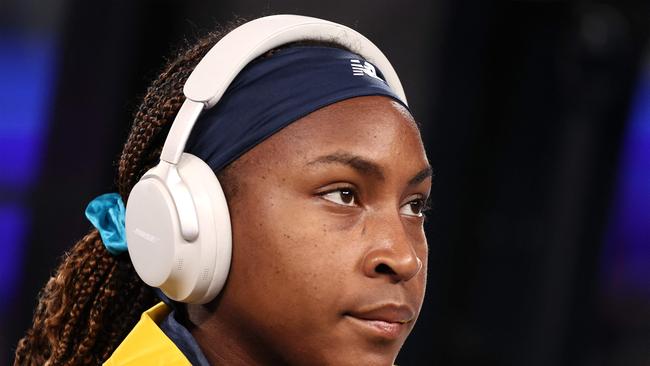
(270, 93)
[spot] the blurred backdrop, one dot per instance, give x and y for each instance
(536, 115)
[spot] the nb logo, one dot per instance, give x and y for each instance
(365, 68)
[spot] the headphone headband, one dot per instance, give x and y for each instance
(214, 73)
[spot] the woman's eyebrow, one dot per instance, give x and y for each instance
(356, 162)
(422, 175)
(366, 167)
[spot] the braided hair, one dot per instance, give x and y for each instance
(75, 320)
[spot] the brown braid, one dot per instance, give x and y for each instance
(94, 299)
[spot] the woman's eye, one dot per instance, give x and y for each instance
(414, 208)
(341, 196)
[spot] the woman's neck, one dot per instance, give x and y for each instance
(224, 340)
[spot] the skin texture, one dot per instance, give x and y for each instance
(325, 225)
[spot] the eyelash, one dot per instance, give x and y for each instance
(424, 204)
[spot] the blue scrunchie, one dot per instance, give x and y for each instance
(106, 213)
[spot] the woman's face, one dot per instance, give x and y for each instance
(329, 254)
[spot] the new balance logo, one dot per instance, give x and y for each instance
(365, 68)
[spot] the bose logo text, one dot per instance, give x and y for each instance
(145, 235)
(359, 69)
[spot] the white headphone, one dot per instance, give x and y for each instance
(177, 222)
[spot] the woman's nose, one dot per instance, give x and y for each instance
(392, 253)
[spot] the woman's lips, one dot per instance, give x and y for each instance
(387, 321)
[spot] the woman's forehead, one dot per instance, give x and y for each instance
(373, 127)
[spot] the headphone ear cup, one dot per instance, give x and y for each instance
(191, 272)
(215, 232)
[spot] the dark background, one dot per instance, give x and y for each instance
(524, 105)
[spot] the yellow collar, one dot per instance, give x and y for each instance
(147, 345)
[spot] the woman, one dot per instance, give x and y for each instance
(326, 180)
